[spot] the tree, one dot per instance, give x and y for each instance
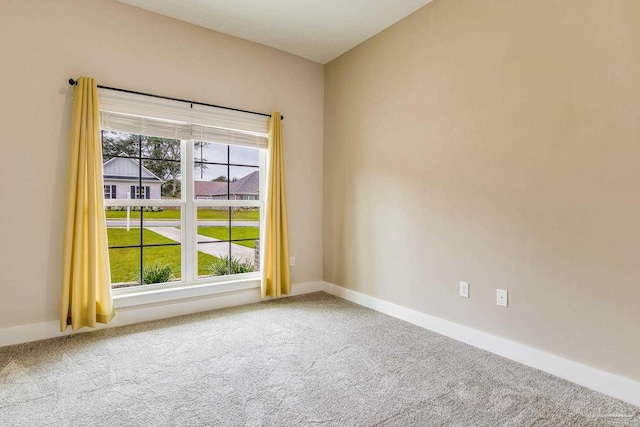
(221, 178)
(118, 143)
(164, 161)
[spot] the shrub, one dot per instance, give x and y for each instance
(156, 273)
(220, 267)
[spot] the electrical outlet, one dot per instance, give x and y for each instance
(292, 261)
(464, 289)
(502, 298)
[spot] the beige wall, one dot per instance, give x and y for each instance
(495, 142)
(43, 43)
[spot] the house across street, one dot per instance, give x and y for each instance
(122, 180)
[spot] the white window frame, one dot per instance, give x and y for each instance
(121, 111)
(188, 210)
(193, 204)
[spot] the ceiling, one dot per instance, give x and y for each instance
(319, 30)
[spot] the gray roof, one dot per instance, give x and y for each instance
(249, 185)
(208, 188)
(121, 168)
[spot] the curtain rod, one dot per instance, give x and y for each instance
(73, 82)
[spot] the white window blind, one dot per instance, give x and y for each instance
(145, 115)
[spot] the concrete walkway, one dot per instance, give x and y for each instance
(242, 252)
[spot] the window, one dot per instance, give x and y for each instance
(230, 233)
(110, 192)
(140, 192)
(182, 210)
(142, 249)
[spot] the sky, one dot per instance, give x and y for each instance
(212, 152)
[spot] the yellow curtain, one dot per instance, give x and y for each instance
(86, 287)
(275, 273)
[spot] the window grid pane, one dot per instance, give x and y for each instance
(153, 234)
(231, 236)
(141, 168)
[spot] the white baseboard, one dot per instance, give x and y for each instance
(144, 313)
(607, 383)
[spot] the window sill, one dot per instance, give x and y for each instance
(152, 295)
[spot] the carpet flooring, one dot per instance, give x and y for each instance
(310, 360)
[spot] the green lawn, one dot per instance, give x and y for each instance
(175, 214)
(122, 237)
(125, 263)
(204, 213)
(222, 233)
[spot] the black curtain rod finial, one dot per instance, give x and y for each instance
(73, 82)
